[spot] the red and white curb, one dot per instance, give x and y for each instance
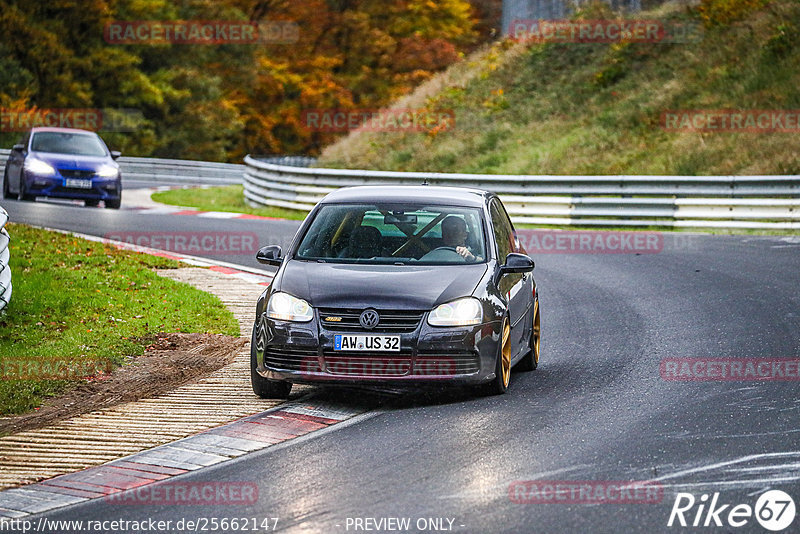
(168, 210)
(212, 447)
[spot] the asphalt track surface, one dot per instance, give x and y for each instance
(597, 409)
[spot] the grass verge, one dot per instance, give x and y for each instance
(88, 303)
(228, 198)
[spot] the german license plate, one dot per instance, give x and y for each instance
(366, 343)
(77, 183)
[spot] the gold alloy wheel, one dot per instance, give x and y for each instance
(506, 357)
(537, 333)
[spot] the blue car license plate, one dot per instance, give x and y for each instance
(77, 183)
(343, 342)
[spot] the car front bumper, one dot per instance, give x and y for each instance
(304, 353)
(54, 186)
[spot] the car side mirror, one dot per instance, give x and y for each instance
(515, 263)
(270, 255)
(18, 148)
(518, 263)
(115, 154)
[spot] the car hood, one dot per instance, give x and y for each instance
(380, 286)
(72, 161)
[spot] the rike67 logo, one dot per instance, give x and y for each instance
(774, 510)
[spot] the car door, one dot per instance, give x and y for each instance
(14, 165)
(528, 285)
(512, 286)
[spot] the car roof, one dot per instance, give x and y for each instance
(60, 130)
(428, 194)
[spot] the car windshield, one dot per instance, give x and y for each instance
(68, 143)
(393, 234)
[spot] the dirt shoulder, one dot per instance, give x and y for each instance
(170, 361)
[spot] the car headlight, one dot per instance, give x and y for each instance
(284, 307)
(37, 166)
(461, 312)
(107, 171)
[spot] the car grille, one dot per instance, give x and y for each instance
(446, 364)
(391, 320)
(397, 364)
(372, 365)
(72, 173)
(74, 191)
(291, 359)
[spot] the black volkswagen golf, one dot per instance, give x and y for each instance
(398, 285)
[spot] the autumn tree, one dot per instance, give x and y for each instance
(220, 102)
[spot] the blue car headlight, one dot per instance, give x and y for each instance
(461, 312)
(107, 171)
(39, 167)
(285, 307)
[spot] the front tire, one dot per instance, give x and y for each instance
(23, 195)
(530, 361)
(502, 371)
(262, 387)
(114, 204)
(6, 190)
(92, 203)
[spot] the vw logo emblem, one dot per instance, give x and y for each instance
(369, 319)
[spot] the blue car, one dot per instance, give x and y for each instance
(63, 163)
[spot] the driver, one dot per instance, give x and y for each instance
(454, 235)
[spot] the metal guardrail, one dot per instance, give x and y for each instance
(5, 257)
(183, 171)
(171, 170)
(758, 202)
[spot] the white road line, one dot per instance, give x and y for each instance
(727, 463)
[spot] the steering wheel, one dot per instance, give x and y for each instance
(447, 249)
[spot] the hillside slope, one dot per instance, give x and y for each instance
(593, 108)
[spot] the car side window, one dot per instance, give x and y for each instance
(503, 231)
